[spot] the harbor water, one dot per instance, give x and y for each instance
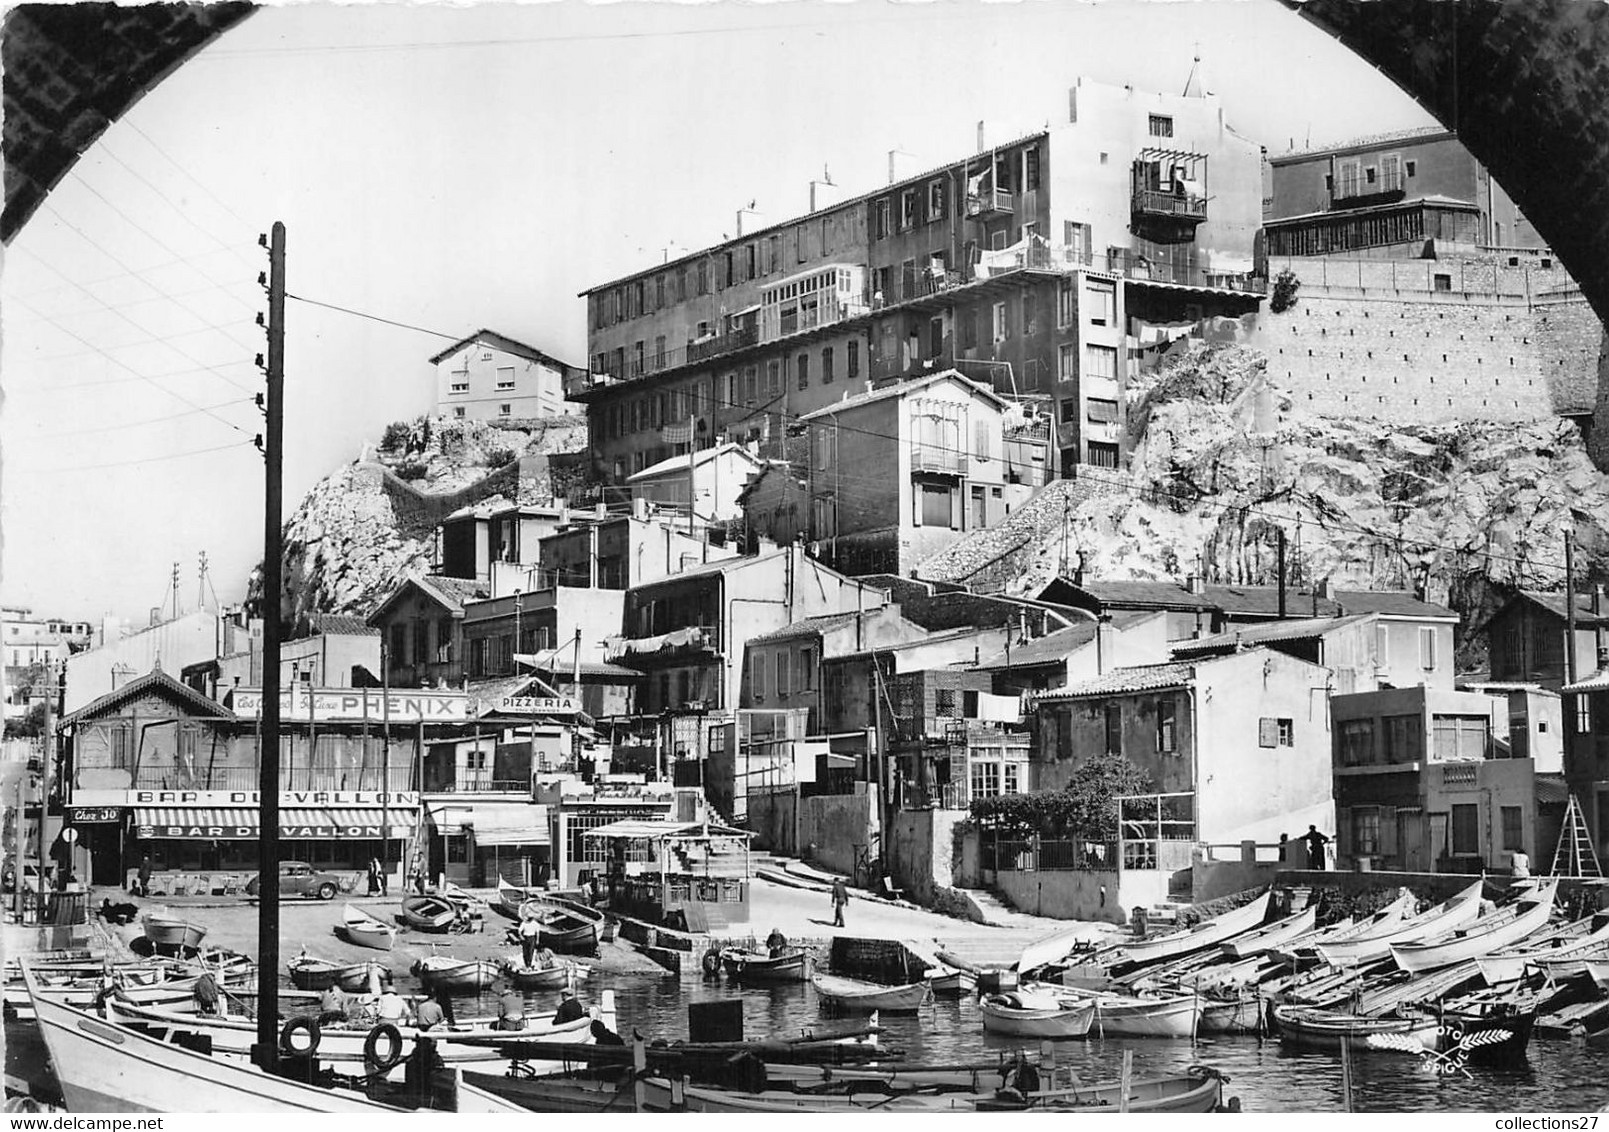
(1560, 1075)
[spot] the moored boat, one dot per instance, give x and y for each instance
(1200, 1090)
(428, 913)
(456, 976)
(363, 930)
(1026, 1015)
(551, 977)
(1271, 937)
(1241, 1015)
(1165, 1016)
(108, 1068)
(309, 972)
(172, 933)
(511, 896)
(951, 982)
(1552, 954)
(571, 928)
(792, 966)
(1456, 912)
(1202, 936)
(1528, 915)
(853, 994)
(1327, 1029)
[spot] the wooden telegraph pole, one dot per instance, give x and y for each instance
(266, 1052)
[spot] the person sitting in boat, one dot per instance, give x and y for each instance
(332, 1006)
(544, 958)
(428, 1015)
(776, 942)
(205, 995)
(570, 1008)
(421, 1067)
(391, 1008)
(530, 936)
(511, 1011)
(602, 1035)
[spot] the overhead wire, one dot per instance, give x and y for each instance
(130, 463)
(373, 317)
(143, 423)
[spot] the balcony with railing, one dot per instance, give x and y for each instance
(1174, 204)
(471, 781)
(713, 347)
(989, 202)
(937, 459)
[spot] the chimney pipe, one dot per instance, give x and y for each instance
(1103, 644)
(982, 144)
(1195, 584)
(1598, 635)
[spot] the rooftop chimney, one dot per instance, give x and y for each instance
(748, 219)
(823, 193)
(982, 144)
(1195, 584)
(1103, 645)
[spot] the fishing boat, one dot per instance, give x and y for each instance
(1598, 972)
(1552, 955)
(456, 976)
(1206, 934)
(1165, 1016)
(551, 977)
(1242, 1014)
(951, 982)
(309, 972)
(511, 896)
(792, 966)
(570, 928)
(1271, 938)
(1057, 946)
(853, 994)
(108, 1068)
(1200, 1090)
(1025, 1015)
(363, 930)
(428, 913)
(1503, 929)
(1450, 915)
(1313, 1028)
(343, 1046)
(168, 933)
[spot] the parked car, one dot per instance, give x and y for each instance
(298, 878)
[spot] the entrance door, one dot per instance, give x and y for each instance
(1438, 837)
(1411, 841)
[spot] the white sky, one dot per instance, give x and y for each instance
(453, 168)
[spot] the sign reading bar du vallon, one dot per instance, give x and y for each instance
(336, 705)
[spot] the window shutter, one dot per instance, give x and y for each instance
(1267, 733)
(980, 439)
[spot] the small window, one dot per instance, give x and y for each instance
(1161, 127)
(1000, 328)
(1100, 361)
(460, 387)
(1513, 828)
(826, 364)
(1101, 299)
(505, 410)
(757, 677)
(852, 359)
(505, 377)
(1427, 649)
(1114, 729)
(1286, 732)
(1167, 738)
(1442, 281)
(1411, 166)
(802, 364)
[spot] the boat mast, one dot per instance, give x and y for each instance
(266, 1052)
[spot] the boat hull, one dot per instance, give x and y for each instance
(1452, 915)
(1210, 934)
(1021, 1022)
(570, 929)
(850, 994)
(175, 934)
(537, 978)
(365, 931)
(1416, 958)
(1329, 1029)
(954, 984)
(1177, 1017)
(428, 913)
(1240, 1016)
(1273, 937)
(466, 976)
(752, 967)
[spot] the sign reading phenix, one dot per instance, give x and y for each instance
(337, 705)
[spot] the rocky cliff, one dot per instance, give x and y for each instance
(1223, 461)
(369, 524)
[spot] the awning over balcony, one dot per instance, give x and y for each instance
(495, 823)
(239, 823)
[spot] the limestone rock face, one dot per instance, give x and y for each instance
(1443, 510)
(363, 528)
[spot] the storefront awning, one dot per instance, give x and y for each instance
(493, 823)
(228, 823)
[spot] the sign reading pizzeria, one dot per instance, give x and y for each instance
(356, 705)
(539, 705)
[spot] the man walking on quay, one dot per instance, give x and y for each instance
(1316, 842)
(840, 897)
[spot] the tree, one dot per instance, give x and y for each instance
(1085, 808)
(1284, 296)
(30, 726)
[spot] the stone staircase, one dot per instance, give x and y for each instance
(997, 912)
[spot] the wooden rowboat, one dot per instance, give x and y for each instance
(1171, 1016)
(428, 913)
(1035, 1016)
(793, 966)
(1210, 933)
(852, 994)
(949, 982)
(1312, 1028)
(167, 932)
(456, 976)
(1198, 1091)
(1450, 915)
(1242, 1015)
(363, 930)
(1272, 937)
(310, 973)
(542, 978)
(108, 1068)
(511, 896)
(570, 928)
(1503, 929)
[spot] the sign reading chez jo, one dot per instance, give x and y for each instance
(543, 705)
(397, 799)
(337, 705)
(93, 815)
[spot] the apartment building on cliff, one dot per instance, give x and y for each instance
(1037, 265)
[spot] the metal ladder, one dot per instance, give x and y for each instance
(1575, 855)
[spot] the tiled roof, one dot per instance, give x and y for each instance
(1389, 603)
(1411, 133)
(153, 681)
(1264, 601)
(899, 389)
(453, 592)
(333, 624)
(715, 566)
(807, 627)
(1554, 604)
(1132, 595)
(1042, 650)
(1120, 680)
(1551, 789)
(501, 342)
(679, 463)
(1299, 630)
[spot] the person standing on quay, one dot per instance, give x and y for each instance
(840, 897)
(1316, 842)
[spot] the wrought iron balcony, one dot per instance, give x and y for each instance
(936, 459)
(1173, 205)
(990, 202)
